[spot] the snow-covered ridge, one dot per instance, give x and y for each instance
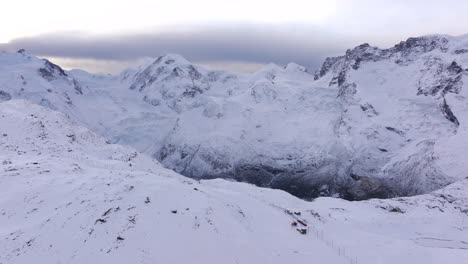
(25, 76)
(68, 195)
(437, 50)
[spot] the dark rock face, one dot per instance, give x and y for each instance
(46, 74)
(421, 45)
(77, 86)
(449, 114)
(369, 109)
(154, 102)
(146, 77)
(192, 91)
(306, 184)
(51, 71)
(399, 132)
(4, 96)
(455, 69)
(365, 187)
(310, 183)
(177, 72)
(439, 79)
(461, 51)
(260, 175)
(46, 103)
(165, 151)
(346, 91)
(304, 181)
(194, 73)
(300, 186)
(327, 65)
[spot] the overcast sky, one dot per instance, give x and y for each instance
(242, 35)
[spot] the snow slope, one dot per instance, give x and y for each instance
(69, 196)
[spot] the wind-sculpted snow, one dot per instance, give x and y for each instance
(68, 195)
(371, 123)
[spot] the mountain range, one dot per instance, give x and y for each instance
(371, 123)
(99, 160)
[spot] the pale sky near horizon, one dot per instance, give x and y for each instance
(105, 36)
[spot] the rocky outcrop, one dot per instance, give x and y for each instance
(51, 71)
(448, 113)
(439, 79)
(4, 96)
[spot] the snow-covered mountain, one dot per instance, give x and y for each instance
(406, 103)
(25, 76)
(372, 123)
(261, 128)
(68, 195)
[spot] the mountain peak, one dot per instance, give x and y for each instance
(270, 67)
(295, 67)
(423, 44)
(171, 58)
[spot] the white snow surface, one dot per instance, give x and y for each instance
(68, 195)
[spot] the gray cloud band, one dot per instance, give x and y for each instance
(258, 44)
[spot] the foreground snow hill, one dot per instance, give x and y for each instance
(69, 196)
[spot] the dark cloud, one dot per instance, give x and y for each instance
(378, 22)
(303, 44)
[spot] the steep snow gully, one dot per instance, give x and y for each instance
(373, 123)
